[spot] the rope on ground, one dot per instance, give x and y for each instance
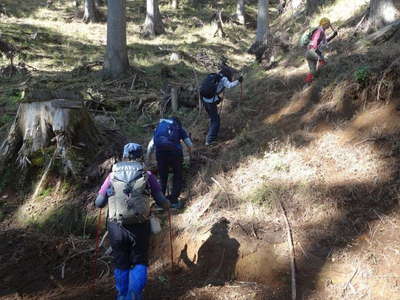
(292, 254)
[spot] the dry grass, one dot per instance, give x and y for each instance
(260, 162)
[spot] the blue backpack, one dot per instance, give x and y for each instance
(167, 135)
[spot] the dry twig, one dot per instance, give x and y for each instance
(349, 282)
(223, 189)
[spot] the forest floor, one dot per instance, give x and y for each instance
(328, 153)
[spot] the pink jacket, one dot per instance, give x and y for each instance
(318, 39)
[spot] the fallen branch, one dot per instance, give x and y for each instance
(349, 282)
(292, 254)
(361, 21)
(45, 173)
(365, 140)
(378, 94)
(133, 81)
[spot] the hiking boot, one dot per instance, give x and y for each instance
(210, 143)
(309, 78)
(177, 205)
(321, 63)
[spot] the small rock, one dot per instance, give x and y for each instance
(4, 196)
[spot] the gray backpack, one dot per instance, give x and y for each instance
(128, 203)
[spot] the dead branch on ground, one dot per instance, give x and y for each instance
(292, 253)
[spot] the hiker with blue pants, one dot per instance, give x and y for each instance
(169, 155)
(210, 91)
(125, 191)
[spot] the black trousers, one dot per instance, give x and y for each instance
(167, 160)
(130, 244)
(215, 121)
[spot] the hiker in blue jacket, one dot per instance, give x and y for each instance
(125, 191)
(169, 155)
(211, 95)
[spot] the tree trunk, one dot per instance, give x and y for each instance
(153, 24)
(262, 21)
(116, 60)
(90, 14)
(240, 11)
(100, 2)
(382, 13)
(38, 125)
(77, 3)
(261, 45)
(174, 99)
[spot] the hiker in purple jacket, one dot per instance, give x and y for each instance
(314, 56)
(126, 190)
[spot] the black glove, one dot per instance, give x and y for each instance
(240, 79)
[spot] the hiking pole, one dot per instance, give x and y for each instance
(94, 263)
(170, 240)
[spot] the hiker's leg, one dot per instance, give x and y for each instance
(162, 164)
(139, 250)
(120, 246)
(177, 161)
(312, 60)
(139, 259)
(137, 281)
(121, 283)
(213, 129)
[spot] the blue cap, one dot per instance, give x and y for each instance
(132, 151)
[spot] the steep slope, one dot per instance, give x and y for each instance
(328, 152)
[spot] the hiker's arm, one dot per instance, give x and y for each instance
(150, 149)
(187, 140)
(332, 36)
(189, 145)
(229, 84)
(156, 193)
(102, 197)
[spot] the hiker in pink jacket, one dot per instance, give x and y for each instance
(314, 56)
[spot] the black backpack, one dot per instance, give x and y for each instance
(208, 88)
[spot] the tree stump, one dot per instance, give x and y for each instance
(66, 125)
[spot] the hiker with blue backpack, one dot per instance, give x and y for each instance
(315, 40)
(126, 190)
(169, 155)
(211, 91)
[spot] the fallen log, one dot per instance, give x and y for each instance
(380, 36)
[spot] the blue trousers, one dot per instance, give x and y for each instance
(130, 245)
(130, 283)
(213, 128)
(167, 160)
